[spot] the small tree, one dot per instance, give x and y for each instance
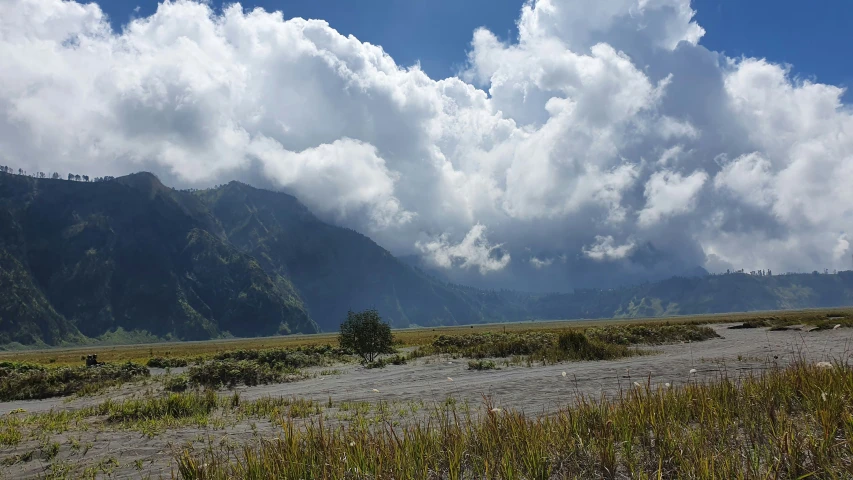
(366, 334)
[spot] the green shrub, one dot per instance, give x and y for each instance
(366, 335)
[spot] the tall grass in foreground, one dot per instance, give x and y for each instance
(795, 422)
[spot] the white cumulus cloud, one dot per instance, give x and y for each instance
(605, 248)
(669, 193)
(600, 121)
(473, 251)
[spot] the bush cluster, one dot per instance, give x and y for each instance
(484, 345)
(593, 343)
(279, 358)
(24, 382)
(651, 334)
(250, 367)
(229, 373)
(538, 346)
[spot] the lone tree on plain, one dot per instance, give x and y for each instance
(366, 334)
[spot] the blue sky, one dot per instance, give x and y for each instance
(808, 35)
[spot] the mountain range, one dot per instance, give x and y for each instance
(82, 260)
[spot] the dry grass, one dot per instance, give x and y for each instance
(795, 422)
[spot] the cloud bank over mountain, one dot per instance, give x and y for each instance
(604, 145)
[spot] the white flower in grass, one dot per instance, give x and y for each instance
(823, 396)
(352, 444)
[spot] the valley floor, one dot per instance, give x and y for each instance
(96, 449)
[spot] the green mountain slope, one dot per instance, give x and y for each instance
(129, 253)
